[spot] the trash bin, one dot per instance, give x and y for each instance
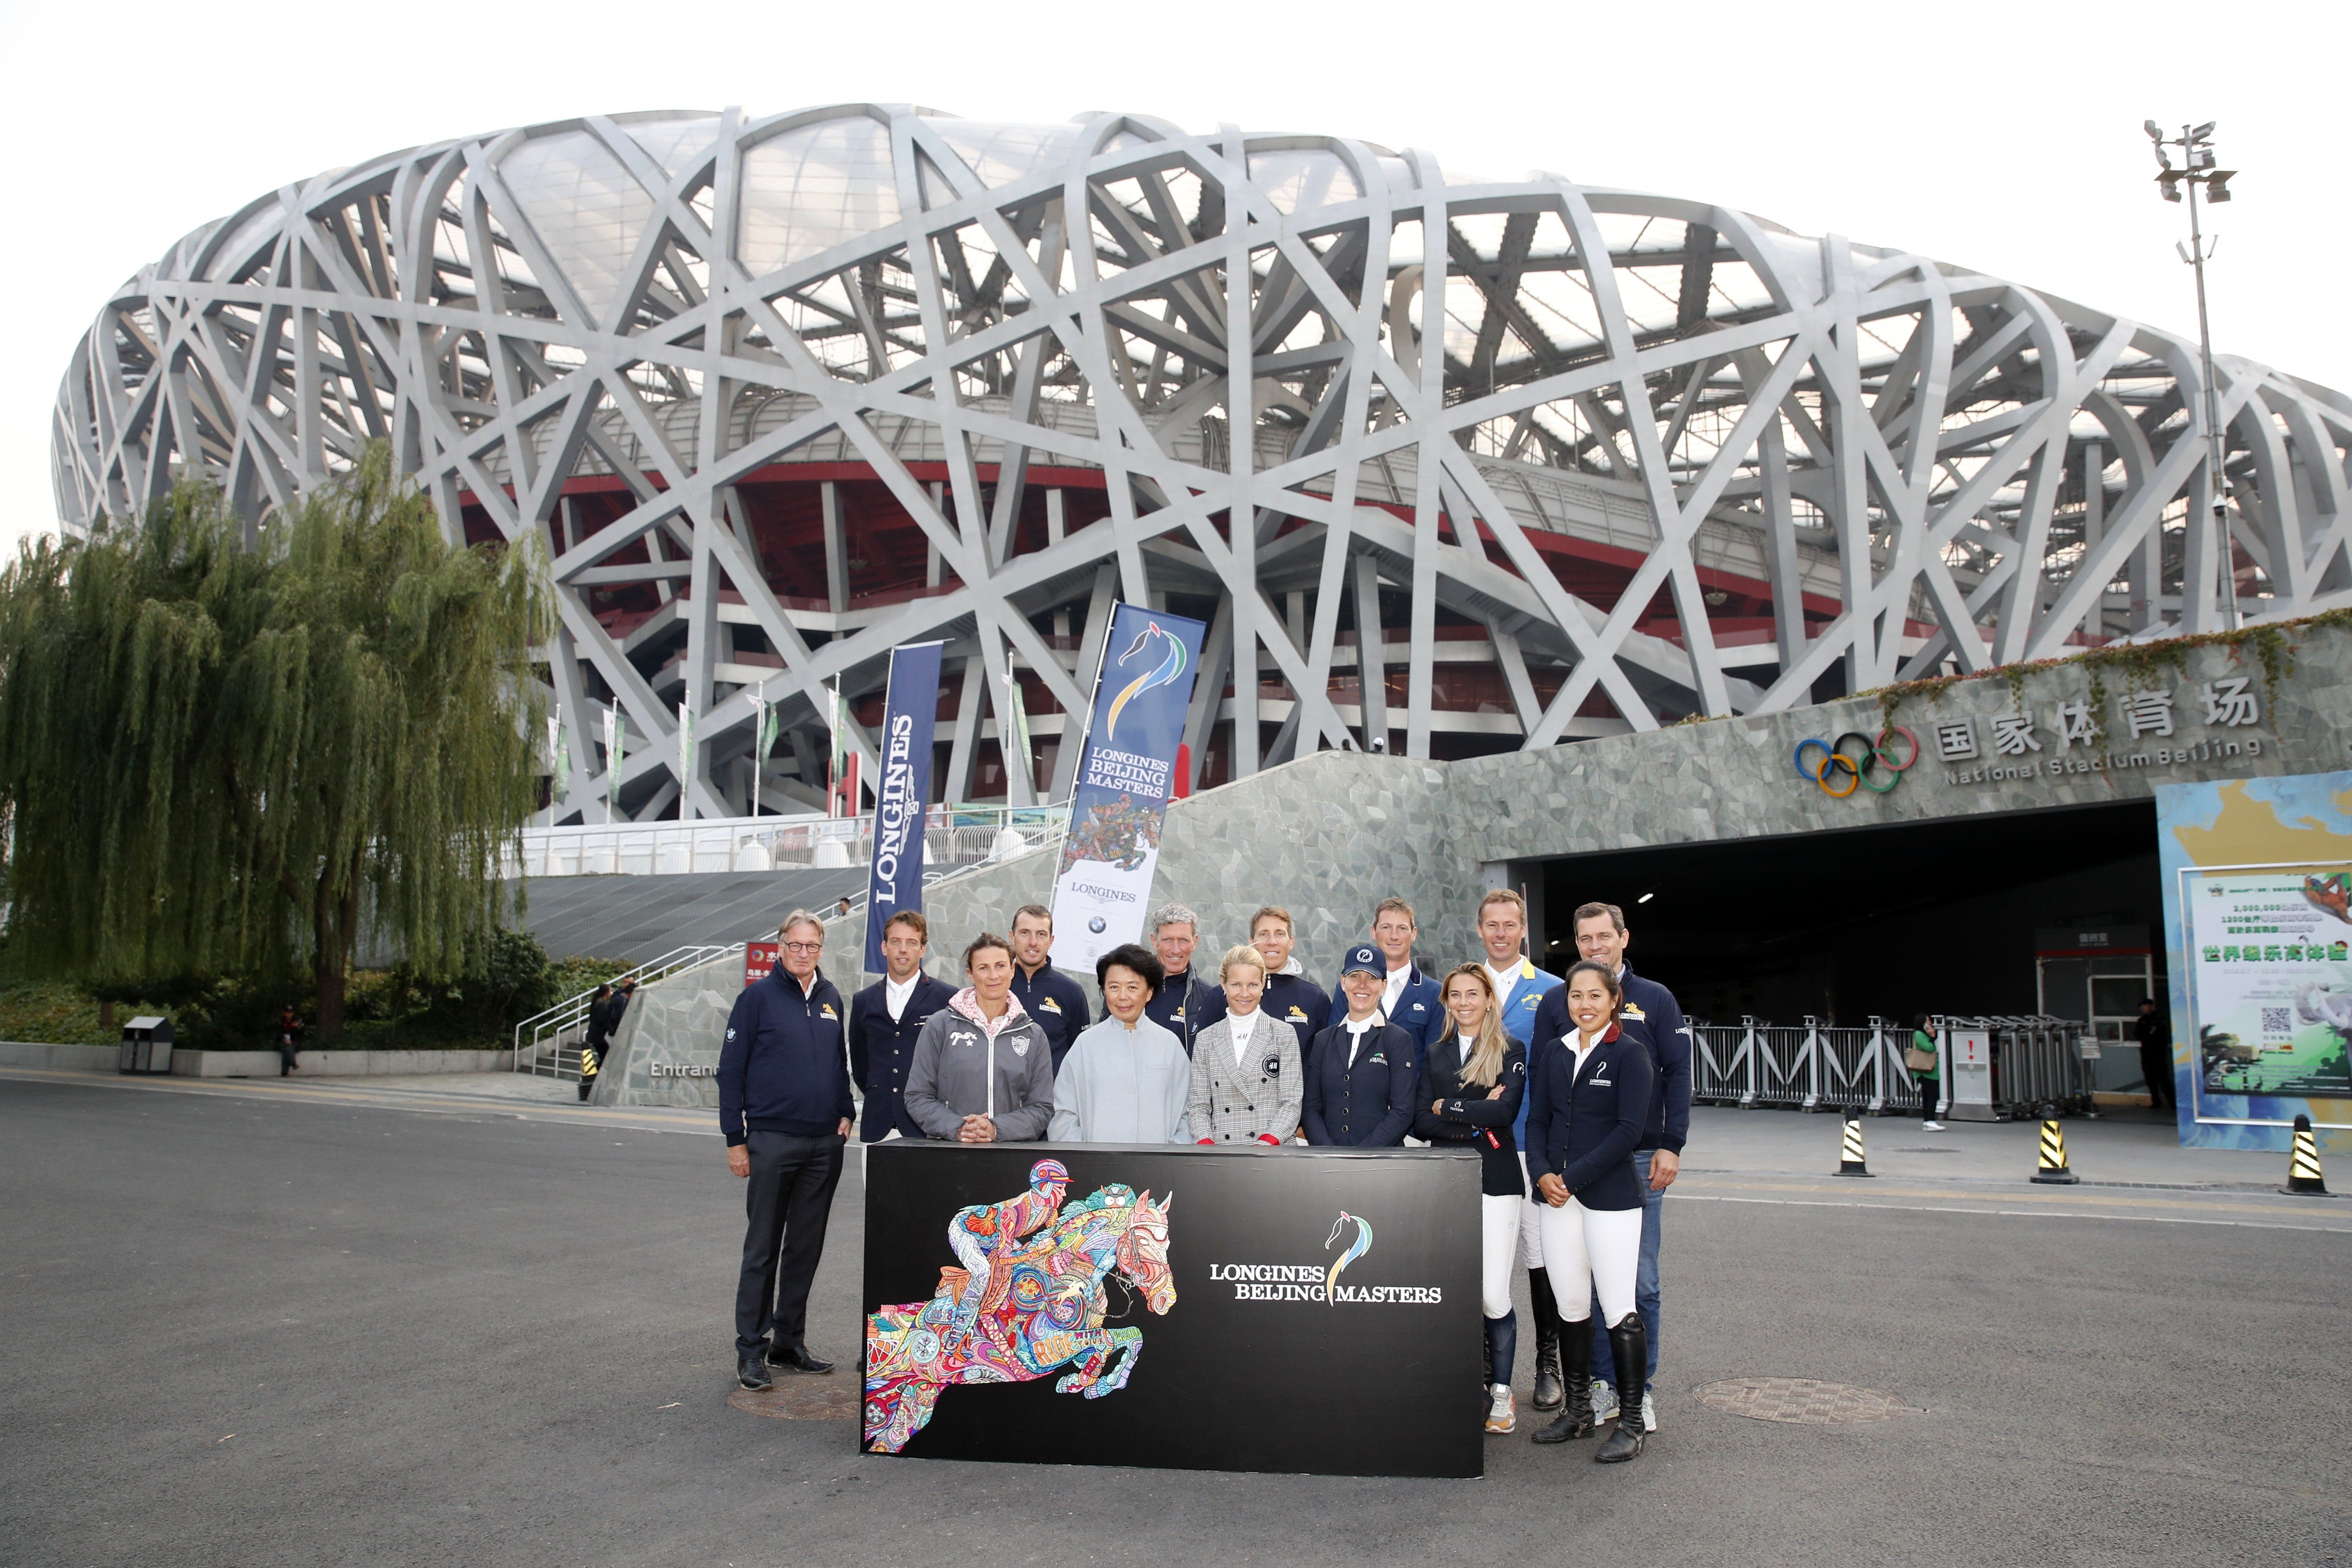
(146, 1045)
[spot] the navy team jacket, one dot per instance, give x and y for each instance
(782, 1067)
(1582, 1126)
(880, 1052)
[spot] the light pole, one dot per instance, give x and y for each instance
(2196, 146)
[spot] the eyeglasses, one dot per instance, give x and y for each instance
(803, 947)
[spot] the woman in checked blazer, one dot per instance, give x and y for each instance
(1246, 1083)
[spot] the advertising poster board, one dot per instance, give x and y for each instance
(1102, 888)
(2257, 886)
(1294, 1310)
(902, 791)
(760, 959)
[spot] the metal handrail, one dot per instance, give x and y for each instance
(954, 837)
(573, 1010)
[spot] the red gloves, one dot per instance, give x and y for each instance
(1269, 1138)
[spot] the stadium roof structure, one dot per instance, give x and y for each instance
(1452, 465)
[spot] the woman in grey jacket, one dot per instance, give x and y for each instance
(1246, 1083)
(983, 1070)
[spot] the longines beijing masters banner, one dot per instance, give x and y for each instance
(1298, 1310)
(1137, 723)
(902, 791)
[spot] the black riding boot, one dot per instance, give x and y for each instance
(1546, 1312)
(1572, 1362)
(1630, 1345)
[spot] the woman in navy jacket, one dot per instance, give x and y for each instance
(1360, 1080)
(1470, 1084)
(1588, 1104)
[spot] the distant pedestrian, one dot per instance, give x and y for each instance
(841, 910)
(290, 1039)
(2153, 1030)
(1926, 1071)
(591, 1049)
(784, 1107)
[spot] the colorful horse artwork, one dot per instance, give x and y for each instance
(1031, 1301)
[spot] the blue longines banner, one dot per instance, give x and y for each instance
(902, 791)
(1135, 725)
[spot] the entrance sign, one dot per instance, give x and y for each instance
(902, 791)
(1135, 724)
(1143, 1305)
(2270, 970)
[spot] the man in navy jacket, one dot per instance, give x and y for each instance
(884, 1020)
(1045, 993)
(1290, 997)
(1409, 999)
(784, 1107)
(1601, 936)
(1183, 1002)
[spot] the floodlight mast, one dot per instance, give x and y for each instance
(2196, 144)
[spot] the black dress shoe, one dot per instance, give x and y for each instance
(795, 1358)
(752, 1372)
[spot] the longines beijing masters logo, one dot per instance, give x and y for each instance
(1320, 1282)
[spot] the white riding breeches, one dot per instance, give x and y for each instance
(1498, 1236)
(1531, 1226)
(1592, 1250)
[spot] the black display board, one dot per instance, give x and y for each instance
(1265, 1359)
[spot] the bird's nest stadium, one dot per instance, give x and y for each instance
(1452, 465)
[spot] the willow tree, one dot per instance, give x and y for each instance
(224, 754)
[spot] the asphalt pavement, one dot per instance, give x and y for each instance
(260, 1324)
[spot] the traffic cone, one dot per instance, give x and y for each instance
(2052, 1165)
(1849, 1162)
(2302, 1168)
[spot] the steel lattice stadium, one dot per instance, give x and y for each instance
(783, 393)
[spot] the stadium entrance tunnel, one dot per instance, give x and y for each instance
(1936, 917)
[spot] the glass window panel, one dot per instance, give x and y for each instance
(587, 210)
(809, 190)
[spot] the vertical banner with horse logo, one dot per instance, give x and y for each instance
(1134, 727)
(902, 789)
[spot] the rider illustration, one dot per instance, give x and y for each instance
(977, 1233)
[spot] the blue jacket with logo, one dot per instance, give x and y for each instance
(1369, 1104)
(882, 1052)
(784, 1067)
(1654, 1007)
(1419, 1010)
(1582, 1126)
(1055, 1001)
(1520, 1010)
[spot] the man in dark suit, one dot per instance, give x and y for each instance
(884, 1020)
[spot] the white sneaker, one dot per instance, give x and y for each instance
(1604, 1401)
(1649, 1411)
(1931, 1127)
(1503, 1411)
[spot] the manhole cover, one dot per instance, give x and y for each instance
(1801, 1401)
(801, 1398)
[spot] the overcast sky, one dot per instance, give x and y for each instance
(2002, 136)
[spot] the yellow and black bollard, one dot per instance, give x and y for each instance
(2052, 1165)
(588, 1065)
(1850, 1160)
(2303, 1167)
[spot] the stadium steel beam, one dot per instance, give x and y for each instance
(779, 394)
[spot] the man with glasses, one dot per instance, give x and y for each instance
(784, 1107)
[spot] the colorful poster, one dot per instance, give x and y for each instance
(2258, 1036)
(1134, 726)
(903, 790)
(2271, 978)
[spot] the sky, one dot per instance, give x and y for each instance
(2004, 137)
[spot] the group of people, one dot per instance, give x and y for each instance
(1573, 1090)
(606, 1009)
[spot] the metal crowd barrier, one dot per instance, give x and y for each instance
(1805, 1067)
(2037, 1060)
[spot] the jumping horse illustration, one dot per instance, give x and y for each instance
(1043, 1304)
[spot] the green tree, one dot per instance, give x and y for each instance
(231, 751)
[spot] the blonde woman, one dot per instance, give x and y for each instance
(1471, 1086)
(1246, 1084)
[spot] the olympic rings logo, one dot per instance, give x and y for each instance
(1842, 762)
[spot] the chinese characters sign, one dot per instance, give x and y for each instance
(2271, 978)
(2063, 736)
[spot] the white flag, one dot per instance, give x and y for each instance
(614, 740)
(685, 757)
